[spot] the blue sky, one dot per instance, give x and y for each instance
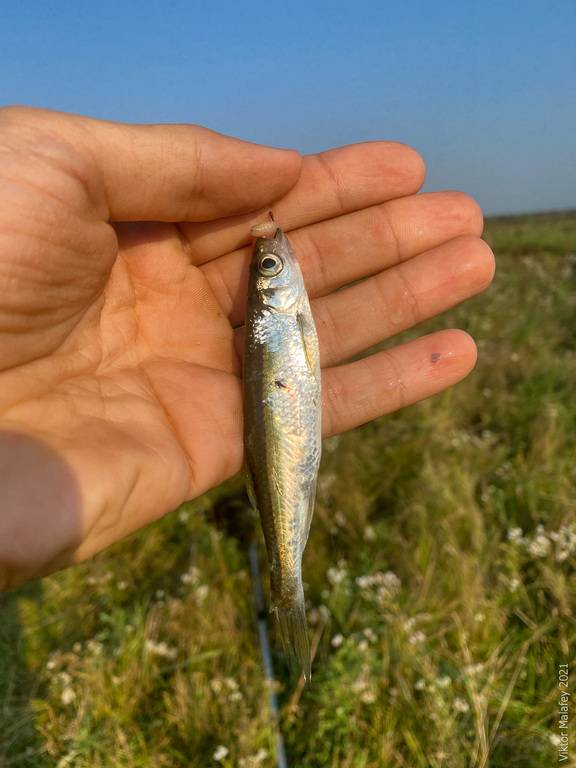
(486, 91)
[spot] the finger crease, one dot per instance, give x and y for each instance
(184, 242)
(319, 267)
(392, 235)
(171, 423)
(331, 340)
(338, 187)
(221, 289)
(409, 294)
(399, 383)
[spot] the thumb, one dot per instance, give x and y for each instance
(168, 172)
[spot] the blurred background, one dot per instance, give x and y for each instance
(440, 567)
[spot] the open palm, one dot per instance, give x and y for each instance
(121, 330)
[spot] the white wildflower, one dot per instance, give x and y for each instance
(51, 664)
(202, 592)
(461, 705)
(473, 669)
(160, 594)
(408, 624)
(336, 575)
(370, 635)
(368, 696)
(540, 546)
(420, 684)
(220, 753)
(68, 696)
(391, 581)
(122, 585)
(555, 739)
(515, 535)
(340, 519)
(216, 685)
(235, 696)
(513, 584)
(387, 583)
(417, 637)
(363, 645)
(161, 649)
(231, 684)
(443, 682)
(94, 647)
(360, 685)
(337, 641)
(480, 617)
(369, 533)
(565, 542)
(364, 582)
(77, 647)
(183, 515)
(253, 761)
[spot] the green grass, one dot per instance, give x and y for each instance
(447, 656)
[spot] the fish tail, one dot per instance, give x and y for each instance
(294, 633)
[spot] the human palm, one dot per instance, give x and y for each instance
(123, 263)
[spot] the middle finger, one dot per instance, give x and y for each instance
(347, 248)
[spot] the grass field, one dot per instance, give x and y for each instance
(440, 576)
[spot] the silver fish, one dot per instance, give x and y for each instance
(282, 429)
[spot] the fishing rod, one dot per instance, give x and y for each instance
(264, 640)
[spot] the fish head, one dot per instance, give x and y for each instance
(275, 278)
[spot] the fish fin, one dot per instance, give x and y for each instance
(249, 480)
(310, 341)
(309, 513)
(293, 631)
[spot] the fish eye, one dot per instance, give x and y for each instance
(270, 265)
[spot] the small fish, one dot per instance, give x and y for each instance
(282, 430)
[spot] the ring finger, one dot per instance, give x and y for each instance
(392, 301)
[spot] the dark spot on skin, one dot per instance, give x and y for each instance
(435, 356)
(280, 384)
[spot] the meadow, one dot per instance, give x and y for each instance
(440, 576)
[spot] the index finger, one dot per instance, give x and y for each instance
(332, 183)
(156, 172)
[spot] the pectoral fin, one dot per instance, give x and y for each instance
(309, 513)
(249, 480)
(310, 342)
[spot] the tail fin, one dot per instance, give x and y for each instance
(294, 634)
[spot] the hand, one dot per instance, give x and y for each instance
(120, 388)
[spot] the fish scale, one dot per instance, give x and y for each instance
(282, 433)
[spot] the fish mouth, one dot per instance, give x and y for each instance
(277, 236)
(272, 243)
